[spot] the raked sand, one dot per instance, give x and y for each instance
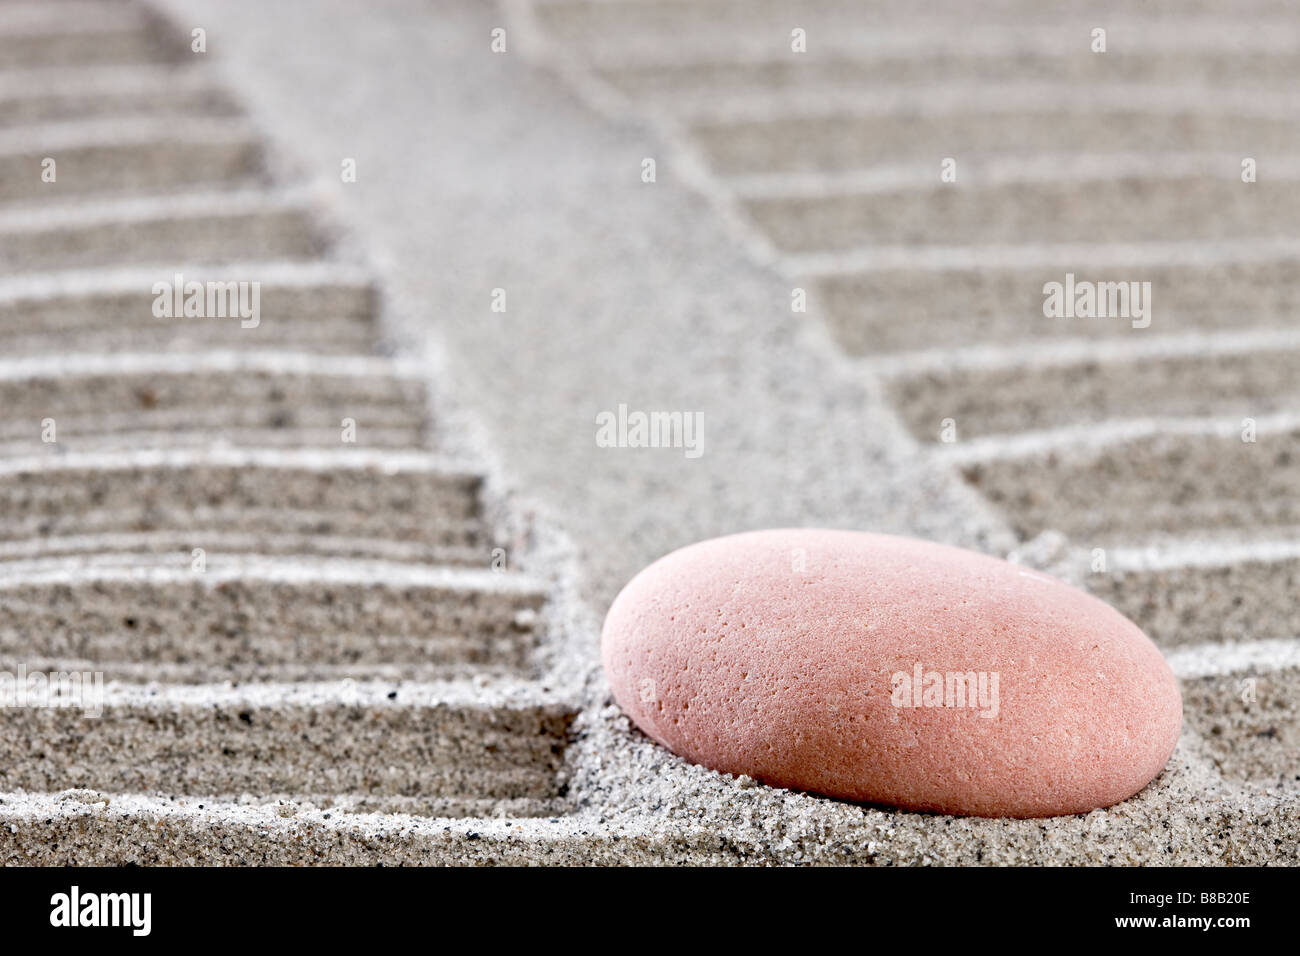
(284, 709)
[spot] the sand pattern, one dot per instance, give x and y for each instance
(356, 676)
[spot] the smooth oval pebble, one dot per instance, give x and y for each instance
(792, 656)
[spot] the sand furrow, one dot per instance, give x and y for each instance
(259, 620)
(404, 740)
(61, 94)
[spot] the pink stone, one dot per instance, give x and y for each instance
(792, 656)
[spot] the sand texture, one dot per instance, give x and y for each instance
(378, 642)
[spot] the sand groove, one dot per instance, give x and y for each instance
(241, 523)
(317, 768)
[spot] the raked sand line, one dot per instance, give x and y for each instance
(84, 43)
(412, 462)
(1053, 257)
(1206, 551)
(377, 372)
(81, 34)
(842, 144)
(302, 307)
(23, 17)
(729, 73)
(289, 805)
(1229, 587)
(285, 398)
(758, 64)
(996, 101)
(213, 228)
(136, 155)
(1093, 441)
(318, 335)
(444, 731)
(597, 15)
(354, 492)
(64, 94)
(1065, 352)
(1048, 212)
(358, 532)
(1244, 657)
(288, 278)
(450, 522)
(47, 827)
(448, 659)
(228, 426)
(288, 571)
(1119, 489)
(76, 826)
(1215, 595)
(97, 211)
(215, 231)
(449, 808)
(1201, 384)
(665, 34)
(465, 545)
(920, 318)
(203, 407)
(409, 740)
(262, 619)
(99, 131)
(985, 171)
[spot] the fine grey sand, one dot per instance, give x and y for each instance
(388, 649)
